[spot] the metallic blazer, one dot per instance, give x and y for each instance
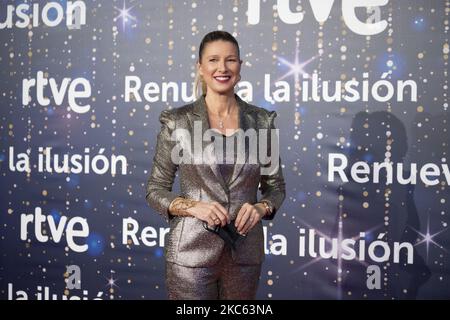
(188, 243)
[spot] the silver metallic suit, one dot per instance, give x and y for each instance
(199, 265)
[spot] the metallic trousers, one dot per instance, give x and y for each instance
(224, 281)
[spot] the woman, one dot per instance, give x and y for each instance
(201, 264)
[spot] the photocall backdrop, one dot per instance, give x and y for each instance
(361, 93)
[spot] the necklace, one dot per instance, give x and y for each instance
(222, 120)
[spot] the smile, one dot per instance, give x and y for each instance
(222, 78)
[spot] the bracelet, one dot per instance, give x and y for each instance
(267, 206)
(180, 205)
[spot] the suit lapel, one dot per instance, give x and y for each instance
(245, 121)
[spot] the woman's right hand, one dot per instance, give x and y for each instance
(213, 213)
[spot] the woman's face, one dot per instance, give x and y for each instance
(220, 66)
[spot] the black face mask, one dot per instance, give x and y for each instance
(228, 233)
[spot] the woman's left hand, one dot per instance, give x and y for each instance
(248, 216)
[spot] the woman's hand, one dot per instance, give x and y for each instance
(212, 213)
(248, 216)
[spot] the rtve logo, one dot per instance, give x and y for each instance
(321, 10)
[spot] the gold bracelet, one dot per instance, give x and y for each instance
(179, 206)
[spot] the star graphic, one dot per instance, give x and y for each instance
(111, 282)
(329, 240)
(296, 68)
(124, 14)
(427, 238)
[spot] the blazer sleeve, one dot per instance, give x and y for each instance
(159, 193)
(272, 185)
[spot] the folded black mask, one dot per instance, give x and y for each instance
(228, 233)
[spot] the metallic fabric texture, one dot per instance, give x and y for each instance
(224, 281)
(188, 243)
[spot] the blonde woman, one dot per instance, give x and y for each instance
(215, 246)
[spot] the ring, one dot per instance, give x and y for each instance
(215, 220)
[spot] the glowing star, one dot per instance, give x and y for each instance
(329, 240)
(125, 15)
(296, 68)
(428, 238)
(111, 281)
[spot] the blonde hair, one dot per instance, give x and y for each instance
(199, 84)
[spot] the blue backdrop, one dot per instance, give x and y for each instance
(362, 100)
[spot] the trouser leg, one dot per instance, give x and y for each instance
(187, 283)
(238, 282)
(226, 280)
